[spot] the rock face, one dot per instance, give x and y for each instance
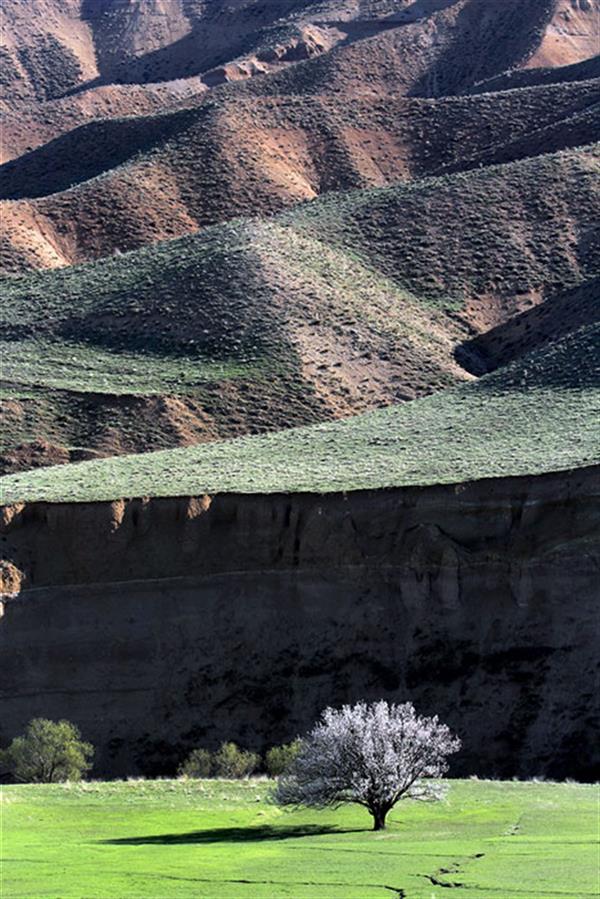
(157, 625)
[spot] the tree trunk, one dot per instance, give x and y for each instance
(379, 819)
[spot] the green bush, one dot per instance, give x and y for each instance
(48, 752)
(199, 763)
(279, 758)
(231, 761)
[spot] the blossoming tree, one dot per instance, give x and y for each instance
(371, 754)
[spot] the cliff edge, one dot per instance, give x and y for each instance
(160, 624)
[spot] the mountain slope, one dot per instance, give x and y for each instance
(144, 179)
(65, 45)
(245, 327)
(537, 327)
(538, 415)
(353, 301)
(72, 62)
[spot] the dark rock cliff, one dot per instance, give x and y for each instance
(161, 624)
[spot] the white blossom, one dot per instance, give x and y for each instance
(373, 755)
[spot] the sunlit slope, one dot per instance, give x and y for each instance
(496, 233)
(354, 301)
(541, 414)
(64, 47)
(245, 328)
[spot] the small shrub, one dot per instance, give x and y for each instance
(48, 752)
(231, 761)
(199, 763)
(279, 758)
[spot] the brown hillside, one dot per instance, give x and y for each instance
(36, 124)
(167, 175)
(579, 71)
(66, 61)
(447, 51)
(572, 34)
(117, 183)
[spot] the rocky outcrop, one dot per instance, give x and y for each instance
(160, 624)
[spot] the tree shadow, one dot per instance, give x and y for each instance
(231, 835)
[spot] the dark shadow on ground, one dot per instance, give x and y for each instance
(231, 835)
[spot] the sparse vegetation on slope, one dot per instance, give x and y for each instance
(61, 49)
(250, 325)
(233, 156)
(515, 78)
(499, 232)
(534, 328)
(538, 415)
(124, 183)
(351, 302)
(336, 306)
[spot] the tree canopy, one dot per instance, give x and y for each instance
(372, 754)
(48, 752)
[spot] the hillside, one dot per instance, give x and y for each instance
(447, 47)
(352, 228)
(65, 62)
(129, 182)
(72, 44)
(537, 327)
(538, 415)
(354, 301)
(126, 125)
(101, 358)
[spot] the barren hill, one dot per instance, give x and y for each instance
(53, 48)
(67, 63)
(121, 184)
(197, 150)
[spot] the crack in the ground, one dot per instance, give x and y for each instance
(452, 868)
(400, 893)
(440, 883)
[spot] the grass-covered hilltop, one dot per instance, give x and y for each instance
(536, 415)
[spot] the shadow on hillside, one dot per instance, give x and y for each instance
(231, 835)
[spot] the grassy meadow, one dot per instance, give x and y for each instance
(224, 840)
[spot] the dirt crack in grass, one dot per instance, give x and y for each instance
(452, 868)
(400, 893)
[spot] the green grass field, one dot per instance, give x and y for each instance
(223, 840)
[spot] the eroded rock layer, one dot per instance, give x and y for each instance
(157, 625)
